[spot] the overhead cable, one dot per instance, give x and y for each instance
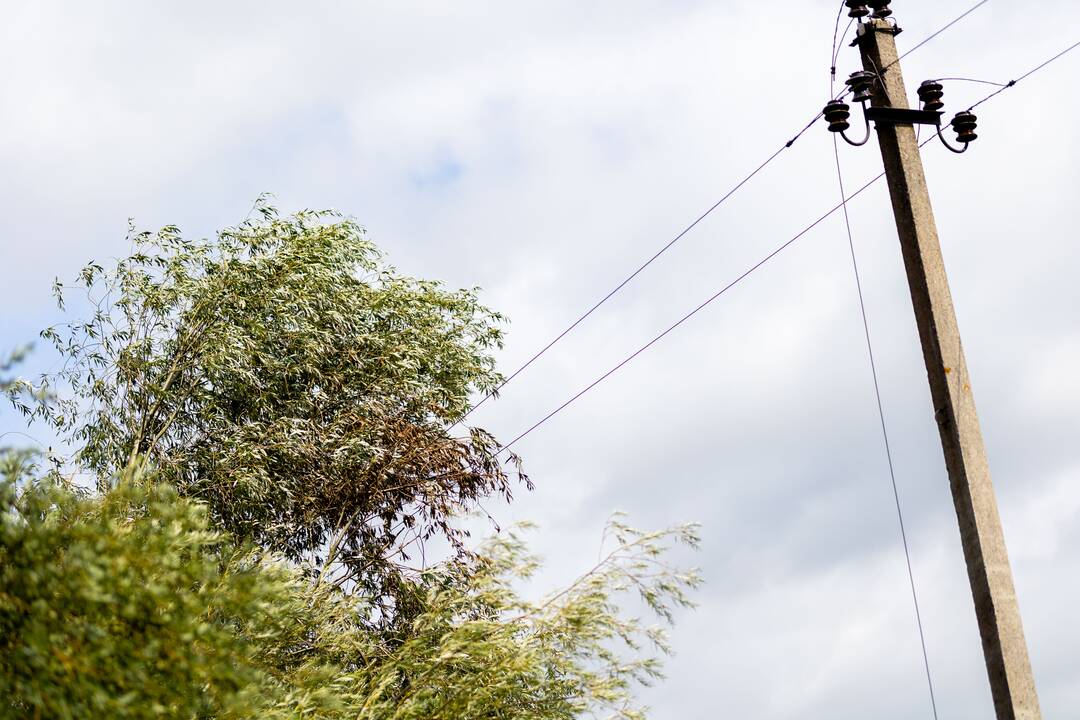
(626, 281)
(885, 429)
(742, 277)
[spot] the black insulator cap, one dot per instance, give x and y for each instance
(931, 92)
(857, 9)
(964, 124)
(836, 114)
(862, 85)
(881, 9)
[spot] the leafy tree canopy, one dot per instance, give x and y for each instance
(127, 604)
(272, 421)
(282, 374)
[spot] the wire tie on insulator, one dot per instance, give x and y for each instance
(861, 84)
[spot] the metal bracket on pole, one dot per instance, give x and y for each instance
(901, 116)
(893, 30)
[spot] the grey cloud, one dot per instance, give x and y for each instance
(587, 136)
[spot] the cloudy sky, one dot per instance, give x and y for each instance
(542, 151)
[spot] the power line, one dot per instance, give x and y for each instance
(1005, 649)
(918, 45)
(970, 80)
(637, 272)
(874, 374)
(884, 427)
(740, 278)
(570, 328)
(626, 281)
(837, 41)
(877, 385)
(960, 17)
(692, 313)
(1036, 69)
(1025, 76)
(873, 366)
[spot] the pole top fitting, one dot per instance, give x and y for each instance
(964, 124)
(881, 8)
(857, 9)
(879, 25)
(836, 113)
(861, 84)
(931, 93)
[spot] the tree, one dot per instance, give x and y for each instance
(285, 376)
(270, 417)
(126, 604)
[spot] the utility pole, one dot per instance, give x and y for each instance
(996, 607)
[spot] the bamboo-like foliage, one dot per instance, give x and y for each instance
(126, 604)
(285, 376)
(269, 416)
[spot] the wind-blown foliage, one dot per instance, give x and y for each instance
(284, 376)
(485, 652)
(127, 605)
(270, 417)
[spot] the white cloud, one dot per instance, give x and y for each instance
(542, 151)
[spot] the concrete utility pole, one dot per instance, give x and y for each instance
(996, 608)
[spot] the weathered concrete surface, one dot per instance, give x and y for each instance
(996, 607)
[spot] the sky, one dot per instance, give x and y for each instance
(542, 151)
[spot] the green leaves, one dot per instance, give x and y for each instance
(285, 376)
(127, 605)
(270, 417)
(479, 650)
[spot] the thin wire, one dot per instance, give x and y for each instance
(1026, 75)
(931, 37)
(884, 427)
(1034, 70)
(836, 28)
(845, 199)
(637, 272)
(25, 435)
(836, 56)
(677, 238)
(970, 80)
(837, 41)
(874, 373)
(690, 314)
(747, 273)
